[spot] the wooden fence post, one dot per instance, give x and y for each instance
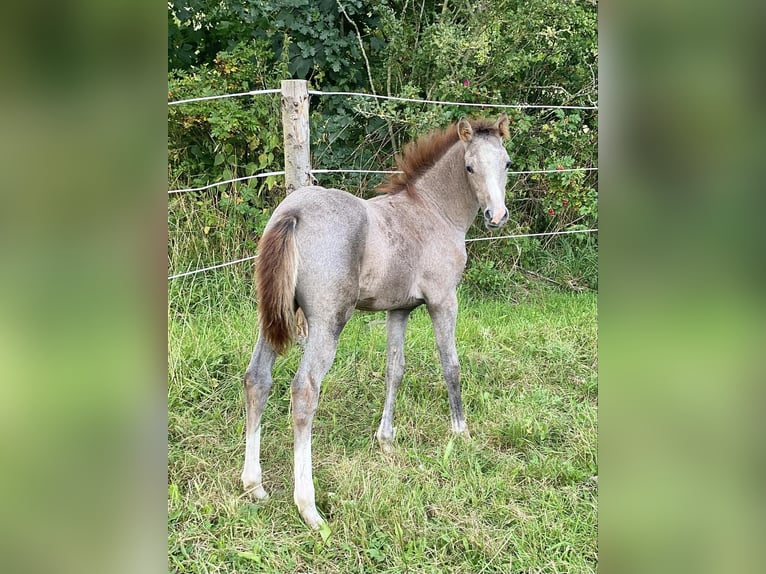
(297, 140)
(295, 130)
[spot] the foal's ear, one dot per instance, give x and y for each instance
(464, 130)
(502, 125)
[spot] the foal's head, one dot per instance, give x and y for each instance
(486, 163)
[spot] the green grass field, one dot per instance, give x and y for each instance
(518, 496)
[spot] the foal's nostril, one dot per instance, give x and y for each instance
(488, 215)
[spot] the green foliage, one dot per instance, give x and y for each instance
(315, 38)
(491, 272)
(503, 51)
(225, 139)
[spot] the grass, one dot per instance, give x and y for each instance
(519, 495)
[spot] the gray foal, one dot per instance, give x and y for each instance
(327, 252)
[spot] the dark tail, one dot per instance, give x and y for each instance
(275, 277)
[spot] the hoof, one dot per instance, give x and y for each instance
(311, 518)
(386, 446)
(386, 443)
(256, 492)
(460, 428)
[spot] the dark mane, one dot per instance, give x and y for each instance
(420, 155)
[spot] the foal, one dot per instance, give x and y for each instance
(327, 252)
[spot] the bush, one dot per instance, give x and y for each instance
(539, 52)
(216, 140)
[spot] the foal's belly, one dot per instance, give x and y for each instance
(394, 288)
(371, 303)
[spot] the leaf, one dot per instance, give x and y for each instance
(174, 493)
(250, 556)
(448, 450)
(325, 532)
(376, 554)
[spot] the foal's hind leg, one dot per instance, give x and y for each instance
(444, 316)
(396, 324)
(257, 385)
(317, 360)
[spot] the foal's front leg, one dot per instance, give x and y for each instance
(396, 324)
(444, 316)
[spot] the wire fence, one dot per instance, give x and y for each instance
(461, 104)
(372, 171)
(251, 257)
(226, 181)
(238, 95)
(369, 171)
(390, 98)
(177, 275)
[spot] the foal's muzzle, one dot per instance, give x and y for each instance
(489, 216)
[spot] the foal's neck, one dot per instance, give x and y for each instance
(445, 189)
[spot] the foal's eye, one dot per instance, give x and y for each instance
(507, 164)
(469, 169)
